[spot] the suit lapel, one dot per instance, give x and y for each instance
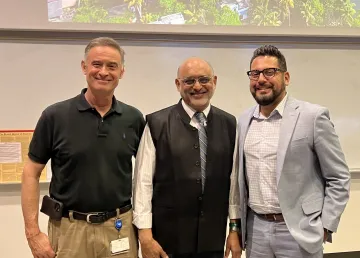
(290, 116)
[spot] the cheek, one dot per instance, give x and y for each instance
(182, 91)
(115, 75)
(210, 88)
(91, 73)
(278, 85)
(252, 86)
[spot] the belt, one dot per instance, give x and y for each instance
(272, 217)
(97, 217)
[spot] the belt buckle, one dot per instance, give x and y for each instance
(98, 214)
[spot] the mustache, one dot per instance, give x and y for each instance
(262, 86)
(198, 92)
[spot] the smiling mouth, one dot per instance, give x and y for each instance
(197, 93)
(103, 80)
(263, 89)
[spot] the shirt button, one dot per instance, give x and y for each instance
(201, 213)
(194, 129)
(200, 198)
(197, 163)
(196, 146)
(198, 181)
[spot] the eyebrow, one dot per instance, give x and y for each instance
(107, 63)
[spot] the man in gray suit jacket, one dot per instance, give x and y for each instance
(293, 178)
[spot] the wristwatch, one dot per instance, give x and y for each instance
(234, 227)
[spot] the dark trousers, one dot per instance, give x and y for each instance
(219, 254)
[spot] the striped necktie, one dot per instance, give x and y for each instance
(203, 144)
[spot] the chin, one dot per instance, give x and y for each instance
(200, 104)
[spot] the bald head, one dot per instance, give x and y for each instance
(196, 83)
(194, 65)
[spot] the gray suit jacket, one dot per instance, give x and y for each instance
(312, 175)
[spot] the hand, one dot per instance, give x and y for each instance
(150, 248)
(326, 235)
(40, 246)
(233, 245)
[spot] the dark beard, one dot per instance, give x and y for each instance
(264, 101)
(268, 100)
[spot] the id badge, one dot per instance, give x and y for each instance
(120, 246)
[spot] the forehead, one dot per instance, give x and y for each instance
(104, 53)
(262, 62)
(195, 68)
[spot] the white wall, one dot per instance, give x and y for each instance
(35, 74)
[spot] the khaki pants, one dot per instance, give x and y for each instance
(78, 239)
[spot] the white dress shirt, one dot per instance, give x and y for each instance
(145, 169)
(260, 152)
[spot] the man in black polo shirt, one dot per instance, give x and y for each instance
(90, 140)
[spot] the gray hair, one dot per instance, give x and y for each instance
(105, 42)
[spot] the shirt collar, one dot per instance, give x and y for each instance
(279, 109)
(83, 104)
(191, 112)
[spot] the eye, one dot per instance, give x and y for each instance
(189, 81)
(254, 73)
(269, 72)
(204, 80)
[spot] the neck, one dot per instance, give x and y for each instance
(102, 103)
(266, 110)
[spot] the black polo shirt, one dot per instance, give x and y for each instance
(91, 156)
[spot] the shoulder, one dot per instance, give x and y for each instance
(309, 109)
(59, 108)
(219, 112)
(228, 118)
(162, 113)
(130, 111)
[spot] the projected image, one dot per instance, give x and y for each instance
(318, 13)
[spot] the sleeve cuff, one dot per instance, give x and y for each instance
(234, 211)
(143, 221)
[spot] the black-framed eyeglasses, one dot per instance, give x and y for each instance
(190, 81)
(267, 72)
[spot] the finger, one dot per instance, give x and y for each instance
(145, 254)
(41, 255)
(227, 252)
(236, 254)
(52, 254)
(163, 254)
(49, 252)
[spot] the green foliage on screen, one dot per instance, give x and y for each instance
(295, 13)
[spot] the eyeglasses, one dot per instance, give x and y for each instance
(190, 81)
(268, 73)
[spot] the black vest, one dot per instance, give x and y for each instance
(184, 219)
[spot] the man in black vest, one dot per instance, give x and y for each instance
(185, 185)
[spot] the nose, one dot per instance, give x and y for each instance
(103, 71)
(197, 86)
(261, 79)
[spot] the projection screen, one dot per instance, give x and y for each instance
(250, 17)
